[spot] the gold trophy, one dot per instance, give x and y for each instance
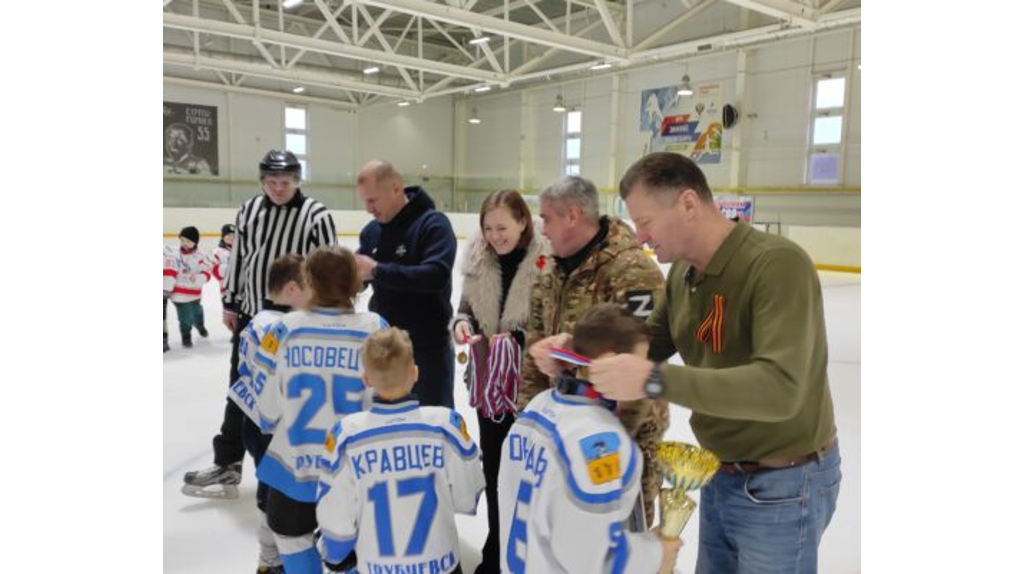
(686, 467)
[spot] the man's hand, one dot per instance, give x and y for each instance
(620, 377)
(365, 266)
(669, 553)
(541, 353)
(229, 318)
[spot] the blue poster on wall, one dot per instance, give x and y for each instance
(688, 125)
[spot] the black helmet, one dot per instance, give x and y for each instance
(278, 162)
(227, 228)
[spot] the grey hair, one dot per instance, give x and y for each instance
(381, 170)
(574, 190)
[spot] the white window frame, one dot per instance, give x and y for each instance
(567, 135)
(831, 112)
(302, 157)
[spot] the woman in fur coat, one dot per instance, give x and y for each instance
(499, 269)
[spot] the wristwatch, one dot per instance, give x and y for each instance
(654, 386)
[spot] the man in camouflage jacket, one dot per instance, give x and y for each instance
(596, 260)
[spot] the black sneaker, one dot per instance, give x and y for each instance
(166, 346)
(186, 341)
(202, 331)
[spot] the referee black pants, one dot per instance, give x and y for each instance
(228, 447)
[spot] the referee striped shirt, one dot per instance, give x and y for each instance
(264, 232)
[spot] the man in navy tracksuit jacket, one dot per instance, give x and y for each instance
(407, 253)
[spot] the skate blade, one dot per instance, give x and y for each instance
(216, 491)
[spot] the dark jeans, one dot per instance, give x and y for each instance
(492, 435)
(435, 387)
(228, 447)
(189, 315)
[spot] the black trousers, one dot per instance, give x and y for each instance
(492, 435)
(436, 385)
(289, 517)
(256, 444)
(228, 447)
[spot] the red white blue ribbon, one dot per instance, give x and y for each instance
(567, 356)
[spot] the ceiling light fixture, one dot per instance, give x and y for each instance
(298, 89)
(474, 118)
(480, 40)
(291, 3)
(559, 104)
(403, 103)
(603, 66)
(371, 70)
(482, 89)
(684, 88)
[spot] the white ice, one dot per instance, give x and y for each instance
(216, 536)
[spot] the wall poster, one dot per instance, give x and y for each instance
(190, 139)
(688, 125)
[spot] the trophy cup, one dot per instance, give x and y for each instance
(686, 467)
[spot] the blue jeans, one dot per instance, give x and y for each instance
(768, 521)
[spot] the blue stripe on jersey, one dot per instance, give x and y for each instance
(275, 474)
(267, 425)
(266, 361)
(383, 323)
(386, 409)
(330, 332)
(337, 549)
(407, 427)
(587, 497)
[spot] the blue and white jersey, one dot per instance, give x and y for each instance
(242, 391)
(399, 474)
(569, 478)
(309, 368)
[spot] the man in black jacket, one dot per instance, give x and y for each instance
(407, 253)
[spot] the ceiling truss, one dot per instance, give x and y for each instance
(424, 49)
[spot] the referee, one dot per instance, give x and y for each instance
(282, 220)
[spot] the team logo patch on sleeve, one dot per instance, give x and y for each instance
(272, 339)
(332, 437)
(601, 452)
(458, 422)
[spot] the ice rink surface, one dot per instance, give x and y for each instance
(218, 537)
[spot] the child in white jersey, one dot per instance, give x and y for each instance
(309, 370)
(570, 473)
(193, 271)
(399, 473)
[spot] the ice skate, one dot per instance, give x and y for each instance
(186, 340)
(214, 482)
(264, 569)
(202, 331)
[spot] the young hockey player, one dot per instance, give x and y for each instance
(193, 273)
(222, 256)
(398, 474)
(308, 377)
(170, 274)
(286, 292)
(570, 474)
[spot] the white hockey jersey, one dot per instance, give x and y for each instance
(309, 369)
(193, 273)
(243, 391)
(219, 265)
(399, 473)
(170, 268)
(569, 478)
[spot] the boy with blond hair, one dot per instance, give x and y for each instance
(398, 473)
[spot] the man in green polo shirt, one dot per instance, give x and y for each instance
(744, 310)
